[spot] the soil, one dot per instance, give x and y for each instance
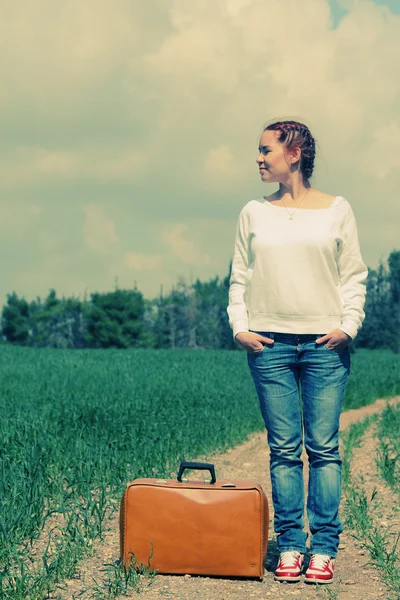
(355, 579)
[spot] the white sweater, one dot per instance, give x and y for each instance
(299, 276)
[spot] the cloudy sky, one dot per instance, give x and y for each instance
(129, 130)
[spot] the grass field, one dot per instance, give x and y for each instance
(75, 426)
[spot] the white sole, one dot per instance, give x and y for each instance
(288, 579)
(319, 581)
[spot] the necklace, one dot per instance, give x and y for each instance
(292, 213)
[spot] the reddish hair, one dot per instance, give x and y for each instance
(297, 135)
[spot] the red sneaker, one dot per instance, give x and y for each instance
(320, 569)
(289, 566)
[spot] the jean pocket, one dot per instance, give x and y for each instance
(341, 349)
(257, 351)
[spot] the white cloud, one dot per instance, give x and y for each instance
(143, 262)
(32, 165)
(234, 6)
(382, 155)
(201, 48)
(100, 231)
(222, 166)
(61, 50)
(177, 238)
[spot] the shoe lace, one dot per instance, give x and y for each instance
(289, 558)
(319, 561)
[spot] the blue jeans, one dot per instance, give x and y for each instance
(279, 371)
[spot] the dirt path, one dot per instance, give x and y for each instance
(354, 580)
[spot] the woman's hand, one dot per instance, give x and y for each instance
(252, 342)
(335, 339)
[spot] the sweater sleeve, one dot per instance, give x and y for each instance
(352, 276)
(237, 310)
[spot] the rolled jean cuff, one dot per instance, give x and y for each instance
(322, 551)
(291, 549)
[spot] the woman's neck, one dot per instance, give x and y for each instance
(292, 194)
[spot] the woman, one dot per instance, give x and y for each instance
(296, 298)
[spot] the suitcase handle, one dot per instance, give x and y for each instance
(197, 466)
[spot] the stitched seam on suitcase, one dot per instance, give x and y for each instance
(261, 530)
(261, 497)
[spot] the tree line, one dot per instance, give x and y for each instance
(190, 316)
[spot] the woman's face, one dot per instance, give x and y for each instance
(274, 161)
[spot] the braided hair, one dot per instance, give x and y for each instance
(297, 135)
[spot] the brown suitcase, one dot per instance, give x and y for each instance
(200, 528)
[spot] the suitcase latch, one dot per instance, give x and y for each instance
(231, 485)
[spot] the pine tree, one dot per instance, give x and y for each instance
(15, 320)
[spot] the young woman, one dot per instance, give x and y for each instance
(296, 298)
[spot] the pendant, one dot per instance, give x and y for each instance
(290, 218)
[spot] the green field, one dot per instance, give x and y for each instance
(75, 426)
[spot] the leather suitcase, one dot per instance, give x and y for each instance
(201, 528)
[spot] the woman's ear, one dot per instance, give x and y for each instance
(295, 155)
